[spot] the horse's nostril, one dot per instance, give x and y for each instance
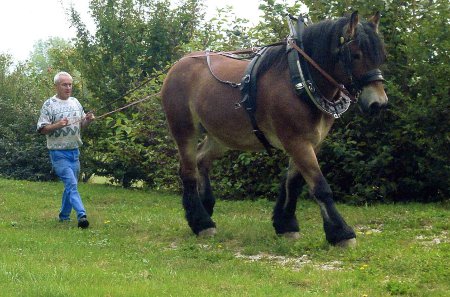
(375, 108)
(375, 105)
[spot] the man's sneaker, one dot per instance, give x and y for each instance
(83, 223)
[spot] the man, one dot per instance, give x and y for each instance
(61, 120)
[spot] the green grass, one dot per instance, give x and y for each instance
(139, 245)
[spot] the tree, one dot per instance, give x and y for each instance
(22, 155)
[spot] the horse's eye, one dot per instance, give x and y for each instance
(356, 56)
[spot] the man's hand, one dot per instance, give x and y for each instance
(62, 123)
(87, 119)
(90, 116)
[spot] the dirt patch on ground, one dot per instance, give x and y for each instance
(368, 230)
(432, 240)
(294, 263)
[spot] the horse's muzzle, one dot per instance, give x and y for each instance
(373, 98)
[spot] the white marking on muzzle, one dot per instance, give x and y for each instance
(373, 94)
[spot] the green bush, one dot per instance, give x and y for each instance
(135, 147)
(23, 153)
(400, 155)
(244, 175)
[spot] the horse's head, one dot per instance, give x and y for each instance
(360, 52)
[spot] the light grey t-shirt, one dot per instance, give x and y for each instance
(55, 109)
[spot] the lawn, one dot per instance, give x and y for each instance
(140, 245)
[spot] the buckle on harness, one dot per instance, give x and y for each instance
(300, 86)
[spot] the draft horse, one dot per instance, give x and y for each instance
(199, 98)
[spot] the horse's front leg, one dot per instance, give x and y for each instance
(284, 219)
(336, 229)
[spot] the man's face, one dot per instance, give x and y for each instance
(64, 87)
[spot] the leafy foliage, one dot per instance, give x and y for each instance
(400, 155)
(21, 150)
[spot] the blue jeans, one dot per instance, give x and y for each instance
(66, 164)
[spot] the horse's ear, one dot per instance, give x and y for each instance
(375, 20)
(354, 20)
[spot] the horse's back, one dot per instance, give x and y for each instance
(192, 73)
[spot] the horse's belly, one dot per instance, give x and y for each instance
(234, 134)
(227, 123)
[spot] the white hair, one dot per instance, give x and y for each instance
(59, 74)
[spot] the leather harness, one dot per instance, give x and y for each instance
(248, 89)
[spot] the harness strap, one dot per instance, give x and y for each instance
(230, 83)
(248, 87)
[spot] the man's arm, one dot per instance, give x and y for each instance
(52, 127)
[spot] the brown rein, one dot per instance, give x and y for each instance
(252, 50)
(239, 52)
(128, 105)
(121, 108)
(292, 43)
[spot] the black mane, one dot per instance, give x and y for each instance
(321, 41)
(275, 57)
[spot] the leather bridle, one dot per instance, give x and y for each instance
(355, 85)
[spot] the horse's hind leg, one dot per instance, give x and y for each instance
(208, 151)
(284, 219)
(198, 218)
(185, 133)
(337, 231)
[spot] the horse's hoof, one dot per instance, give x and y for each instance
(210, 232)
(291, 235)
(348, 243)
